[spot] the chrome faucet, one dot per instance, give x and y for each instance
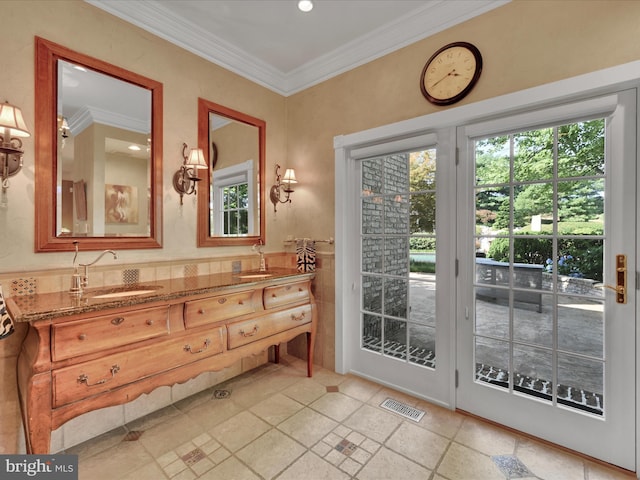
(258, 248)
(79, 281)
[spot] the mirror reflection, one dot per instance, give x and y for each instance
(98, 155)
(104, 154)
(231, 197)
(233, 194)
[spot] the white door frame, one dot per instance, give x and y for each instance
(346, 276)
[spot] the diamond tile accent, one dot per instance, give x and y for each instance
(511, 466)
(346, 447)
(132, 436)
(221, 394)
(24, 286)
(131, 276)
(193, 457)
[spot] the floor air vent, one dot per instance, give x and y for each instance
(402, 409)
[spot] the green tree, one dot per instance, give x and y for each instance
(422, 184)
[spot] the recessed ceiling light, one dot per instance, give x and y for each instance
(305, 5)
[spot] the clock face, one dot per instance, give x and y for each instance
(451, 73)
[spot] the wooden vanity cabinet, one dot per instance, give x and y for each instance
(74, 364)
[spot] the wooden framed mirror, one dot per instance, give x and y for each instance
(231, 191)
(98, 158)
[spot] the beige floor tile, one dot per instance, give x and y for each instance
(239, 430)
(486, 438)
(326, 377)
(271, 453)
(230, 469)
(440, 420)
(166, 436)
(549, 463)
(116, 462)
(307, 426)
(420, 445)
(214, 412)
(336, 406)
(386, 465)
(150, 471)
(308, 463)
(276, 409)
(305, 391)
(359, 388)
(463, 463)
(373, 423)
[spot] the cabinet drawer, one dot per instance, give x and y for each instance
(96, 376)
(286, 294)
(214, 309)
(106, 331)
(241, 333)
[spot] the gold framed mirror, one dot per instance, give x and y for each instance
(98, 158)
(231, 191)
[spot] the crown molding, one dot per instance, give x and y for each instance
(433, 17)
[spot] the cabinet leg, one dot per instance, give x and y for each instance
(309, 354)
(276, 353)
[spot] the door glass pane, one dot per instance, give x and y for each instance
(372, 332)
(584, 315)
(533, 369)
(581, 383)
(399, 256)
(539, 237)
(395, 336)
(492, 361)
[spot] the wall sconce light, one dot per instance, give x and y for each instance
(12, 126)
(185, 179)
(282, 185)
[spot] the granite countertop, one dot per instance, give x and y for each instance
(29, 308)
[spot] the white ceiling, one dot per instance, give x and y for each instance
(275, 45)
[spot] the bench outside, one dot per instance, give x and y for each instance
(491, 272)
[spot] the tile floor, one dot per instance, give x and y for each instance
(275, 423)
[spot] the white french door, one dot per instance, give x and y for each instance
(396, 328)
(546, 288)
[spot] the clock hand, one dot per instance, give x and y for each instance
(452, 73)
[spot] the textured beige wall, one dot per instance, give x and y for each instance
(523, 44)
(185, 77)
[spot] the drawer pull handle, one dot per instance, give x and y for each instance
(117, 320)
(149, 322)
(187, 347)
(222, 300)
(82, 336)
(201, 311)
(84, 378)
(299, 318)
(251, 333)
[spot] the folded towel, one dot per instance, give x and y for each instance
(6, 322)
(306, 253)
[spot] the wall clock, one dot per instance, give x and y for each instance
(451, 73)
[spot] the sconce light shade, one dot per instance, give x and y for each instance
(289, 176)
(11, 119)
(12, 126)
(196, 159)
(282, 186)
(184, 180)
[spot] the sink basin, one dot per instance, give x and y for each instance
(118, 293)
(255, 275)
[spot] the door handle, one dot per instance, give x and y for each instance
(621, 279)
